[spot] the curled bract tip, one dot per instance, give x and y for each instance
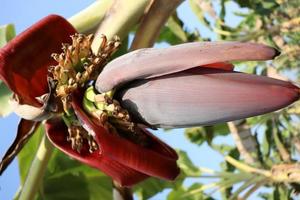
(29, 112)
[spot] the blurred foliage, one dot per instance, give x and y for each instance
(275, 23)
(198, 135)
(272, 22)
(7, 32)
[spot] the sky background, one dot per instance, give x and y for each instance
(24, 13)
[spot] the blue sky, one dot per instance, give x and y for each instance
(23, 14)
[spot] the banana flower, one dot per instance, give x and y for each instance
(99, 115)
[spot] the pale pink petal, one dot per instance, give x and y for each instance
(203, 96)
(149, 63)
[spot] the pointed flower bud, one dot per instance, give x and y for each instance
(204, 96)
(193, 84)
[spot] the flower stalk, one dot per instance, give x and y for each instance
(119, 20)
(121, 193)
(279, 173)
(244, 142)
(87, 20)
(152, 22)
(246, 168)
(37, 170)
(282, 150)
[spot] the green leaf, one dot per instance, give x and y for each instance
(7, 32)
(181, 193)
(173, 32)
(234, 153)
(244, 3)
(74, 180)
(196, 135)
(267, 145)
(221, 129)
(223, 10)
(65, 178)
(186, 165)
(178, 194)
(151, 187)
(281, 193)
(59, 188)
(82, 183)
(27, 154)
(246, 185)
(176, 26)
(199, 135)
(199, 13)
(166, 35)
(5, 95)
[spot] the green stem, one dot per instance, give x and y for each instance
(246, 168)
(253, 189)
(37, 170)
(120, 19)
(88, 19)
(200, 189)
(283, 152)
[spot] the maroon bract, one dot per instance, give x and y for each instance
(24, 61)
(156, 159)
(57, 132)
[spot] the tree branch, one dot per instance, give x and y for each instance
(152, 22)
(119, 20)
(244, 142)
(246, 168)
(283, 152)
(296, 143)
(88, 19)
